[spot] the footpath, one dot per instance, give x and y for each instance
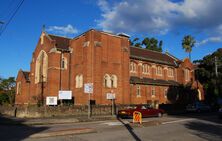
(13, 122)
(8, 120)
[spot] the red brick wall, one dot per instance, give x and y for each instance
(178, 76)
(23, 97)
(94, 54)
(104, 54)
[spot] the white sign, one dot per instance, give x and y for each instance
(88, 88)
(110, 96)
(51, 100)
(65, 95)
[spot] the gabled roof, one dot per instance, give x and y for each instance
(149, 81)
(26, 75)
(152, 56)
(60, 42)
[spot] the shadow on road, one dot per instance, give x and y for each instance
(206, 126)
(130, 129)
(205, 130)
(14, 129)
(208, 116)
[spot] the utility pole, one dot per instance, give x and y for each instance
(216, 72)
(216, 66)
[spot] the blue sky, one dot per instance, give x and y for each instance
(167, 20)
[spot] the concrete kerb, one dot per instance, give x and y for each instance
(63, 132)
(67, 120)
(53, 120)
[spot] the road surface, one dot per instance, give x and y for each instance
(201, 127)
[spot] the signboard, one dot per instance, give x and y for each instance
(88, 88)
(137, 117)
(110, 96)
(51, 100)
(65, 95)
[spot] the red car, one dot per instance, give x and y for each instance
(145, 110)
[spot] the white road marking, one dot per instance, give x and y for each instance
(115, 123)
(176, 121)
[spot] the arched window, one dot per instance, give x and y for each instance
(165, 92)
(145, 68)
(159, 70)
(19, 87)
(138, 93)
(41, 67)
(170, 72)
(79, 81)
(133, 67)
(114, 81)
(187, 74)
(107, 81)
(64, 63)
(153, 91)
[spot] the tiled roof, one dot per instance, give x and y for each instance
(152, 56)
(149, 81)
(61, 42)
(26, 75)
(135, 53)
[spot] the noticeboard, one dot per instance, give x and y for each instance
(110, 96)
(51, 100)
(65, 95)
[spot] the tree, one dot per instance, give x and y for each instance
(206, 75)
(135, 42)
(148, 43)
(7, 87)
(152, 44)
(188, 43)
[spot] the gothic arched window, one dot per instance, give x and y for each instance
(79, 81)
(114, 81)
(41, 67)
(107, 81)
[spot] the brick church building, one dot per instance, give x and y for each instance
(134, 75)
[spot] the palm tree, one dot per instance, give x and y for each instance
(188, 43)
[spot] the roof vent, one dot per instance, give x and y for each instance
(123, 35)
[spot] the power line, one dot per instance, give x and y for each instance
(7, 8)
(16, 10)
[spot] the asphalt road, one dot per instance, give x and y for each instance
(169, 128)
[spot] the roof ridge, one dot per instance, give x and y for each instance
(172, 56)
(104, 32)
(147, 49)
(26, 71)
(59, 36)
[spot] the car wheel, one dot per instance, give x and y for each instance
(160, 115)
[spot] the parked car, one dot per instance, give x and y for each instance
(220, 113)
(197, 107)
(145, 110)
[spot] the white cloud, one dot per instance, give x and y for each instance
(104, 5)
(64, 30)
(160, 16)
(210, 39)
